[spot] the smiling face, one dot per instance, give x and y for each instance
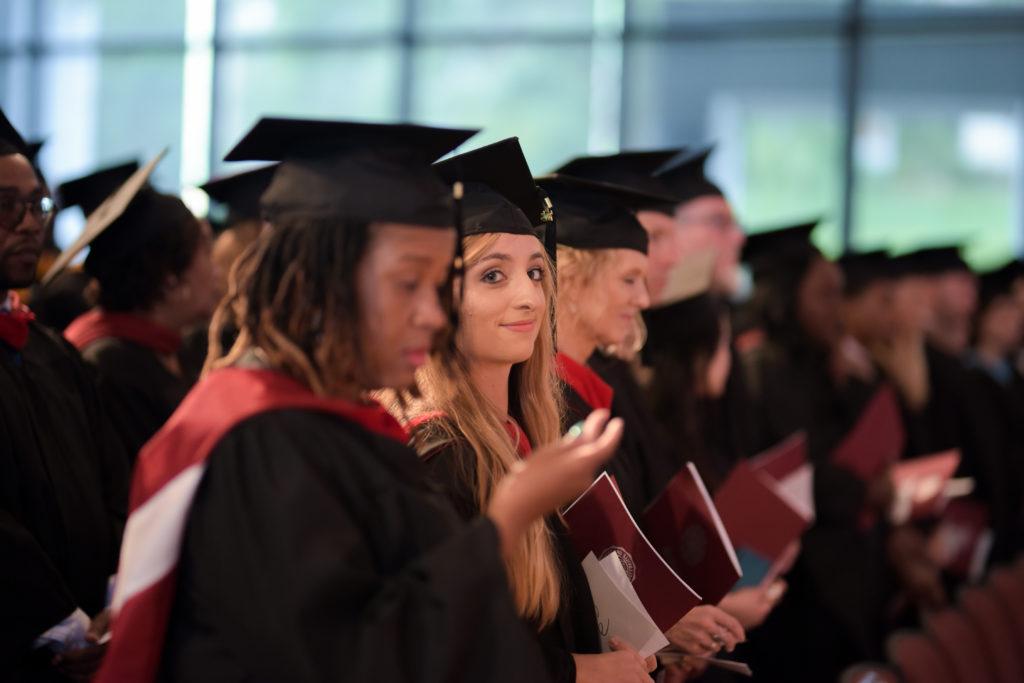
(610, 302)
(504, 298)
(399, 279)
(21, 244)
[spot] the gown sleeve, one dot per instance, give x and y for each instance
(313, 559)
(445, 465)
(33, 592)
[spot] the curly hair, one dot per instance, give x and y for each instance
(135, 279)
(292, 294)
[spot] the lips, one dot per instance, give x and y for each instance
(24, 250)
(520, 325)
(416, 357)
(24, 255)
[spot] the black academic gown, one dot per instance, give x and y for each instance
(943, 421)
(831, 615)
(626, 465)
(317, 551)
(63, 492)
(575, 627)
(655, 458)
(140, 392)
(994, 455)
(969, 411)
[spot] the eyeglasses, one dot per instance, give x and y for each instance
(13, 209)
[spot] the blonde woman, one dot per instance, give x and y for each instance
(602, 265)
(495, 395)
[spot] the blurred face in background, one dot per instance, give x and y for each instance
(198, 291)
(229, 245)
(1017, 291)
(1001, 326)
(819, 302)
(869, 315)
(609, 306)
(708, 223)
(956, 299)
(913, 305)
(664, 249)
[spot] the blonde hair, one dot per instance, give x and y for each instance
(578, 269)
(535, 402)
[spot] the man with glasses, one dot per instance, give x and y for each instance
(704, 218)
(63, 477)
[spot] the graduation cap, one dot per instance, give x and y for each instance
(999, 282)
(685, 177)
(240, 192)
(89, 191)
(349, 171)
(934, 260)
(32, 149)
(122, 223)
(686, 294)
(766, 248)
(597, 215)
(862, 269)
(500, 193)
(11, 141)
(629, 169)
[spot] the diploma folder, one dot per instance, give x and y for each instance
(763, 526)
(921, 486)
(600, 523)
(876, 440)
(787, 464)
(684, 526)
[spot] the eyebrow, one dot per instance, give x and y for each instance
(506, 257)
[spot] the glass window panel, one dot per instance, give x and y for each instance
(929, 173)
(539, 95)
(15, 86)
(15, 20)
(98, 109)
(86, 20)
(945, 4)
(289, 17)
(502, 16)
(656, 14)
(356, 83)
(771, 106)
(940, 145)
